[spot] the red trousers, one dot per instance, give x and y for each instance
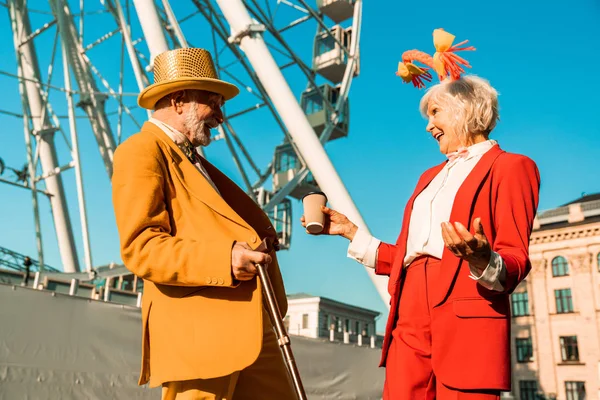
(409, 374)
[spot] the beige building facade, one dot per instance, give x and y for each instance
(556, 309)
(322, 318)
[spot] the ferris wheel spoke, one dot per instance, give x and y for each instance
(295, 23)
(187, 17)
(45, 93)
(294, 6)
(37, 32)
(239, 143)
(101, 39)
(237, 161)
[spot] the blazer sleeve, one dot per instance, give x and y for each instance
(385, 258)
(148, 247)
(517, 195)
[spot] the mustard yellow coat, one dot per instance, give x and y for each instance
(176, 232)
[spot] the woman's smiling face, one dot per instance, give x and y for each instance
(441, 125)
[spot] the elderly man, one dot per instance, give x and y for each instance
(192, 235)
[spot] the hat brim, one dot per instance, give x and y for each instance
(153, 93)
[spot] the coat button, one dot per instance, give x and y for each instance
(208, 280)
(253, 239)
(220, 281)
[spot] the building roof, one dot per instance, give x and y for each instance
(295, 296)
(299, 296)
(570, 214)
(584, 198)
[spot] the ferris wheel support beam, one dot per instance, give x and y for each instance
(44, 131)
(90, 101)
(252, 43)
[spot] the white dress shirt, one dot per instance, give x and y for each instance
(180, 139)
(432, 207)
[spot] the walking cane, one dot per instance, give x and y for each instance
(282, 336)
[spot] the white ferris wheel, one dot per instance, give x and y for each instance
(80, 64)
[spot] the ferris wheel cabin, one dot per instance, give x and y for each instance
(319, 114)
(285, 166)
(331, 53)
(337, 10)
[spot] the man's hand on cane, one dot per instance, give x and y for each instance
(244, 260)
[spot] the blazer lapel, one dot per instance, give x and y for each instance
(462, 211)
(425, 180)
(192, 179)
(240, 202)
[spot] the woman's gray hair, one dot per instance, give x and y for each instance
(472, 100)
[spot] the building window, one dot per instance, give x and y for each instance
(560, 266)
(575, 390)
(357, 328)
(524, 350)
(564, 301)
(304, 321)
(347, 325)
(528, 390)
(367, 333)
(338, 324)
(520, 304)
(568, 348)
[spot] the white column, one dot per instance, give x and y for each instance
(140, 77)
(152, 27)
(44, 131)
(154, 34)
(87, 249)
(295, 120)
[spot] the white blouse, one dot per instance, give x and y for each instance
(432, 207)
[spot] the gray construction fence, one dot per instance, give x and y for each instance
(59, 347)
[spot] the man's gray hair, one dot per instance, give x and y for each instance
(472, 100)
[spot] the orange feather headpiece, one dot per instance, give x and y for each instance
(444, 62)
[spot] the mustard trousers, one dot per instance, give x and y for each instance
(266, 379)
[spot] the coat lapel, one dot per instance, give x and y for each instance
(193, 180)
(425, 180)
(241, 203)
(462, 211)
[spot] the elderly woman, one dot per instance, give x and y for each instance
(447, 336)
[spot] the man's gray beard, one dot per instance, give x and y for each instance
(196, 127)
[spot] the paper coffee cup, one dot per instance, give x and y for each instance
(313, 216)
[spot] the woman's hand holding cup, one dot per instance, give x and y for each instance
(336, 223)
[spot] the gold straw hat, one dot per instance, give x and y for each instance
(182, 69)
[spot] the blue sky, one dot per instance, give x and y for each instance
(541, 56)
